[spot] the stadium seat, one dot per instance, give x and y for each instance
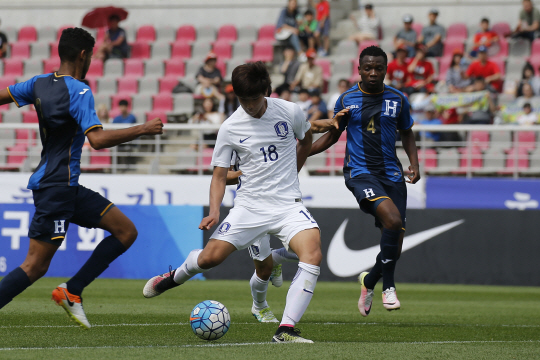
(501, 64)
(33, 67)
(336, 162)
(156, 114)
(206, 159)
(451, 44)
(148, 85)
(12, 116)
(242, 50)
(199, 50)
(162, 102)
(141, 102)
(514, 68)
(501, 139)
(46, 34)
(520, 48)
(105, 99)
(140, 50)
(326, 66)
(227, 33)
(502, 29)
(186, 33)
(430, 160)
(128, 85)
(247, 33)
(40, 50)
(161, 50)
(20, 50)
(231, 65)
(107, 85)
(113, 67)
(181, 50)
(30, 117)
(27, 34)
(342, 68)
(223, 49)
(510, 162)
(153, 68)
(13, 67)
(62, 28)
(54, 50)
(165, 33)
(263, 51)
(175, 67)
(480, 139)
(16, 155)
(447, 160)
(183, 103)
(346, 49)
(457, 30)
(100, 159)
(7, 138)
(366, 44)
(6, 81)
(100, 34)
(267, 33)
(418, 28)
(133, 67)
(167, 83)
(92, 83)
(469, 157)
(503, 48)
(221, 65)
(493, 160)
(206, 33)
(96, 68)
(526, 140)
(146, 33)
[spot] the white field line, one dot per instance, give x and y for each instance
(261, 343)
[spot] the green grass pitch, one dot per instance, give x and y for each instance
(435, 322)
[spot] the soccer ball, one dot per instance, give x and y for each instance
(210, 320)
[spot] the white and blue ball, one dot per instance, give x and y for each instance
(210, 320)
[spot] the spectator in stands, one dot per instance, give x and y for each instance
(283, 92)
(527, 95)
(289, 66)
(229, 103)
(486, 69)
(528, 117)
(431, 118)
(209, 78)
(406, 36)
(287, 25)
(115, 44)
(368, 25)
(433, 35)
(456, 77)
(323, 19)
(527, 76)
(485, 37)
(3, 45)
(207, 115)
(397, 73)
(308, 30)
(421, 72)
(125, 117)
(343, 85)
(304, 101)
(529, 21)
(481, 114)
(102, 113)
(309, 75)
(317, 110)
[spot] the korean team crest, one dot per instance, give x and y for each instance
(282, 129)
(224, 228)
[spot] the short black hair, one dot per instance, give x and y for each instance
(484, 20)
(303, 91)
(123, 102)
(308, 12)
(251, 80)
(373, 51)
(114, 17)
(527, 105)
(345, 81)
(72, 42)
(282, 88)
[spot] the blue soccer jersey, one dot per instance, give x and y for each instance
(372, 124)
(65, 108)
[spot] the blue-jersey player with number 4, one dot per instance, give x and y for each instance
(371, 168)
(65, 108)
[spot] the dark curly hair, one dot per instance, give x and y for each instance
(251, 80)
(373, 51)
(72, 42)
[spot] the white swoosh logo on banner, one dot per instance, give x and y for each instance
(345, 262)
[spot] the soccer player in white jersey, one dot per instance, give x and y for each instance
(263, 132)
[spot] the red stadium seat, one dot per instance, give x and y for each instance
(100, 35)
(502, 29)
(418, 28)
(156, 114)
(457, 30)
(27, 34)
(51, 65)
(223, 49)
(133, 67)
(526, 140)
(54, 51)
(96, 68)
(476, 161)
(146, 33)
(20, 50)
(140, 50)
(430, 158)
(207, 154)
(266, 33)
(115, 99)
(452, 44)
(221, 66)
(501, 64)
(162, 102)
(13, 67)
(30, 117)
(522, 160)
(62, 28)
(181, 50)
(128, 85)
(100, 159)
(186, 33)
(367, 43)
(92, 82)
(326, 66)
(480, 139)
(535, 48)
(168, 83)
(16, 155)
(175, 67)
(227, 33)
(263, 51)
(6, 81)
(339, 155)
(503, 49)
(26, 137)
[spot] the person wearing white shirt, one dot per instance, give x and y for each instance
(528, 117)
(368, 25)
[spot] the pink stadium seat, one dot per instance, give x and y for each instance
(501, 64)
(133, 67)
(522, 161)
(30, 117)
(51, 65)
(476, 159)
(13, 67)
(62, 28)
(100, 157)
(54, 50)
(93, 83)
(27, 34)
(457, 30)
(162, 102)
(418, 28)
(526, 140)
(227, 33)
(100, 35)
(146, 33)
(339, 156)
(128, 85)
(5, 81)
(175, 67)
(206, 158)
(266, 33)
(535, 48)
(168, 83)
(186, 33)
(263, 51)
(501, 28)
(181, 50)
(367, 43)
(452, 44)
(503, 48)
(430, 158)
(96, 68)
(26, 137)
(115, 99)
(326, 66)
(20, 50)
(480, 139)
(156, 114)
(223, 49)
(140, 50)
(16, 155)
(221, 65)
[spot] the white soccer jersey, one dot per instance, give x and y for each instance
(266, 153)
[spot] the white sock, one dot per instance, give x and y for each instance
(300, 293)
(189, 268)
(279, 256)
(258, 291)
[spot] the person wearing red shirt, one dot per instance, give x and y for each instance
(486, 37)
(420, 73)
(486, 69)
(323, 18)
(397, 73)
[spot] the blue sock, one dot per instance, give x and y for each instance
(105, 253)
(12, 285)
(389, 256)
(374, 275)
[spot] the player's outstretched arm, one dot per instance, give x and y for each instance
(409, 144)
(324, 125)
(217, 191)
(303, 147)
(101, 139)
(325, 141)
(5, 98)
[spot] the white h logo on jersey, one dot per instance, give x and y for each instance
(393, 108)
(369, 192)
(59, 226)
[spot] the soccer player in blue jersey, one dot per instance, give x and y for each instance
(371, 168)
(65, 108)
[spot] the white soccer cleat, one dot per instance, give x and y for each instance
(265, 315)
(72, 304)
(366, 296)
(159, 284)
(276, 278)
(289, 335)
(390, 300)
